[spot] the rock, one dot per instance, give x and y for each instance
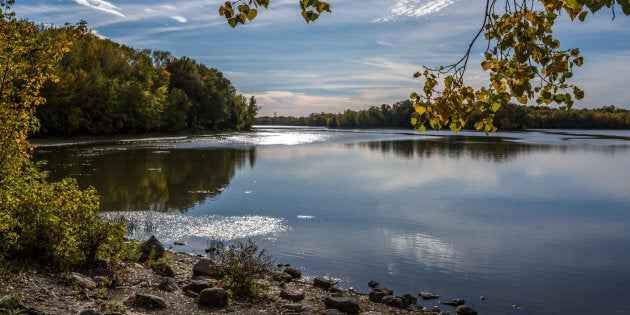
(372, 313)
(334, 289)
(282, 277)
(82, 281)
(428, 295)
(149, 301)
(454, 302)
(393, 301)
(465, 310)
(377, 287)
(482, 298)
(409, 300)
(208, 268)
(163, 269)
(151, 249)
(343, 304)
(332, 311)
(179, 243)
(377, 296)
(213, 297)
(292, 296)
(293, 272)
(191, 294)
(292, 308)
(90, 312)
(436, 309)
(197, 286)
(168, 284)
(323, 283)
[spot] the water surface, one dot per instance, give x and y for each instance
(540, 219)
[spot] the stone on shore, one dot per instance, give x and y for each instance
(149, 301)
(293, 272)
(428, 295)
(465, 310)
(151, 249)
(168, 284)
(454, 302)
(323, 283)
(82, 281)
(197, 286)
(377, 296)
(208, 268)
(394, 301)
(409, 300)
(294, 296)
(343, 304)
(163, 269)
(213, 297)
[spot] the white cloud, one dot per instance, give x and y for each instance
(101, 5)
(179, 19)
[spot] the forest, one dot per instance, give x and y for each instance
(510, 117)
(105, 88)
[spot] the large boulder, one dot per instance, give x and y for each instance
(377, 296)
(208, 268)
(213, 297)
(343, 304)
(151, 249)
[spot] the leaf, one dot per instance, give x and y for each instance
(495, 106)
(578, 61)
(413, 96)
(252, 14)
(455, 126)
(232, 22)
(421, 128)
(582, 16)
(420, 109)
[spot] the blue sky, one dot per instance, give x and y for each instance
(362, 54)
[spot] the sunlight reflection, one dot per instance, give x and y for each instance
(169, 227)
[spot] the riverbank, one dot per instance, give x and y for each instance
(143, 288)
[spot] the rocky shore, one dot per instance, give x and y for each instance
(181, 283)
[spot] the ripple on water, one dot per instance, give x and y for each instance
(169, 227)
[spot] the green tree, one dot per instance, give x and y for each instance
(54, 222)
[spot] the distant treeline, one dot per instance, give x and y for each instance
(511, 117)
(105, 88)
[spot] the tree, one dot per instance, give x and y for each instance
(523, 59)
(53, 222)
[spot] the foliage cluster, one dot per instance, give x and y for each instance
(508, 117)
(523, 59)
(241, 265)
(105, 88)
(248, 10)
(53, 222)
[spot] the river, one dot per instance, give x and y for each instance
(537, 222)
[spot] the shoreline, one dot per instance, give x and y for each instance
(145, 289)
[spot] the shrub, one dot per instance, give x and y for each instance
(53, 222)
(242, 264)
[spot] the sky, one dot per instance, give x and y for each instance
(361, 55)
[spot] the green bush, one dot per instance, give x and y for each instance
(53, 222)
(242, 264)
